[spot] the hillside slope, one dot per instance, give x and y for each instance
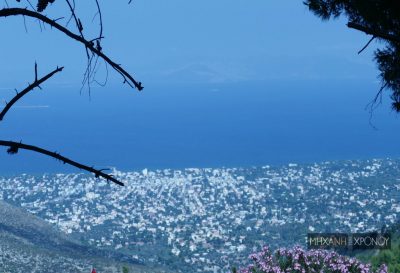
(29, 244)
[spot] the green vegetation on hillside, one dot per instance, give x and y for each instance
(390, 257)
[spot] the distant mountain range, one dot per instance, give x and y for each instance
(203, 73)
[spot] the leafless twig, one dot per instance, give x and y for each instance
(362, 49)
(30, 87)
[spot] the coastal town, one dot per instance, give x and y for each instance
(210, 219)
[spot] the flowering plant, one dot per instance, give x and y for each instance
(297, 260)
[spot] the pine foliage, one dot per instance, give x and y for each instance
(379, 18)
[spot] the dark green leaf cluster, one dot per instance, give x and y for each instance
(379, 18)
(42, 4)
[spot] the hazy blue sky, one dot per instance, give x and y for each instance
(194, 41)
(226, 83)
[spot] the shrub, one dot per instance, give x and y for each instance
(306, 261)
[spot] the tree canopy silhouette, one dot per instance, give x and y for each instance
(94, 53)
(381, 20)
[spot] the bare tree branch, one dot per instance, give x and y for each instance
(89, 44)
(373, 32)
(30, 87)
(15, 146)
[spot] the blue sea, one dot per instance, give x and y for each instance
(200, 125)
